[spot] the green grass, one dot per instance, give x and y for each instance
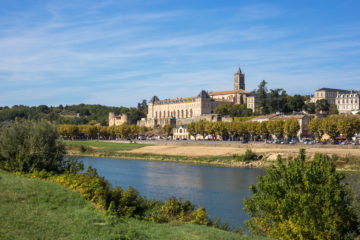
(35, 209)
(104, 146)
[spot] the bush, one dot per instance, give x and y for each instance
(248, 156)
(302, 201)
(26, 146)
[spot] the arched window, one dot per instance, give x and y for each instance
(191, 112)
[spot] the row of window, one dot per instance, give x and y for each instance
(178, 114)
(347, 101)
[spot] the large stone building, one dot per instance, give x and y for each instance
(161, 112)
(329, 94)
(348, 103)
(185, 110)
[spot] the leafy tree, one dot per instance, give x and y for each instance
(191, 128)
(310, 108)
(330, 126)
(262, 94)
(291, 127)
(295, 103)
(322, 106)
(28, 145)
(315, 126)
(302, 200)
(167, 130)
(200, 128)
(277, 100)
(348, 126)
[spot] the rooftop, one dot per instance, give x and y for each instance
(229, 92)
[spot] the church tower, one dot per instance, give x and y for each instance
(239, 80)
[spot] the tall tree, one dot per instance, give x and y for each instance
(262, 94)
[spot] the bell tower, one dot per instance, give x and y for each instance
(239, 80)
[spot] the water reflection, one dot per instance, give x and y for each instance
(220, 190)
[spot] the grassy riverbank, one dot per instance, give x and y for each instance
(35, 209)
(347, 159)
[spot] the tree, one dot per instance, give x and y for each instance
(348, 126)
(200, 128)
(309, 108)
(295, 103)
(330, 126)
(191, 128)
(28, 145)
(302, 200)
(315, 126)
(322, 106)
(167, 130)
(291, 127)
(261, 94)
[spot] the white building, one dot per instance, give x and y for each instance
(348, 103)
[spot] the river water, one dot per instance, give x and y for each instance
(220, 190)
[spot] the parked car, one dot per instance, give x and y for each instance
(244, 141)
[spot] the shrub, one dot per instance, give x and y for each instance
(302, 201)
(26, 146)
(248, 156)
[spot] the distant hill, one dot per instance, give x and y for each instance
(72, 114)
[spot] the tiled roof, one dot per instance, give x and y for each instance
(229, 92)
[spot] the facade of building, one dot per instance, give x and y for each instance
(329, 94)
(348, 103)
(180, 132)
(116, 120)
(251, 102)
(161, 112)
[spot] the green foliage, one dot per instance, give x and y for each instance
(302, 201)
(28, 145)
(233, 110)
(124, 203)
(277, 100)
(248, 156)
(72, 114)
(322, 106)
(90, 132)
(167, 130)
(291, 127)
(35, 209)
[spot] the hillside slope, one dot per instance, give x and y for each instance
(35, 209)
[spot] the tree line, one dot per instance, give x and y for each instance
(72, 114)
(246, 130)
(90, 132)
(334, 126)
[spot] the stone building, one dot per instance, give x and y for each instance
(236, 96)
(252, 102)
(348, 103)
(191, 109)
(116, 120)
(161, 112)
(329, 94)
(180, 132)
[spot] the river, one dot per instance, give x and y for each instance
(220, 190)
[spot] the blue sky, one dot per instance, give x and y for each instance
(116, 52)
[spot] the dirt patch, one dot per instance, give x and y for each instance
(269, 151)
